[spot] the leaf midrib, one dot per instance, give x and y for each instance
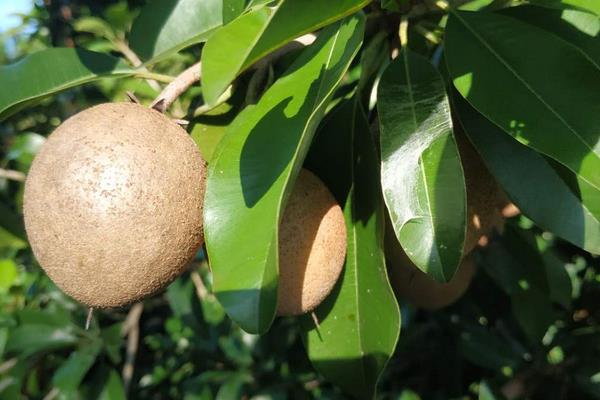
(355, 247)
(524, 83)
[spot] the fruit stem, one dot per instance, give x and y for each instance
(178, 85)
(88, 320)
(131, 328)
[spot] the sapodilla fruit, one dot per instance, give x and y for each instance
(113, 204)
(312, 246)
(413, 285)
(483, 216)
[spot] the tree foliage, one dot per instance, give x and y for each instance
(377, 98)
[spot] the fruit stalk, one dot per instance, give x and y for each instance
(173, 90)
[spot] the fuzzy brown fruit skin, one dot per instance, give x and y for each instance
(312, 246)
(113, 204)
(411, 284)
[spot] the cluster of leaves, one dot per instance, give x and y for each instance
(520, 80)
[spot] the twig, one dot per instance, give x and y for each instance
(52, 394)
(8, 364)
(187, 78)
(131, 328)
(12, 175)
(180, 84)
(201, 289)
(130, 55)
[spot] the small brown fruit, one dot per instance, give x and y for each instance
(411, 284)
(113, 204)
(483, 216)
(312, 246)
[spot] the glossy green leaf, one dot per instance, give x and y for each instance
(166, 26)
(69, 376)
(255, 167)
(569, 209)
(50, 71)
(421, 172)
(232, 9)
(579, 28)
(208, 129)
(551, 109)
(257, 33)
(584, 5)
(359, 323)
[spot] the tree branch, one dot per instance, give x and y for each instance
(187, 78)
(12, 175)
(131, 328)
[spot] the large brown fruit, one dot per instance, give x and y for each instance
(411, 284)
(113, 204)
(312, 246)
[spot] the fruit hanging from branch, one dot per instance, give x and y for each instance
(312, 246)
(113, 204)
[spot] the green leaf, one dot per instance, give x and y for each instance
(95, 25)
(113, 388)
(359, 323)
(8, 273)
(254, 169)
(166, 26)
(516, 264)
(232, 9)
(569, 209)
(233, 387)
(12, 222)
(208, 129)
(559, 281)
(69, 376)
(487, 349)
(579, 28)
(257, 33)
(51, 71)
(585, 5)
(421, 172)
(31, 338)
(551, 109)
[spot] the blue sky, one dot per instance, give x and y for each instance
(8, 7)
